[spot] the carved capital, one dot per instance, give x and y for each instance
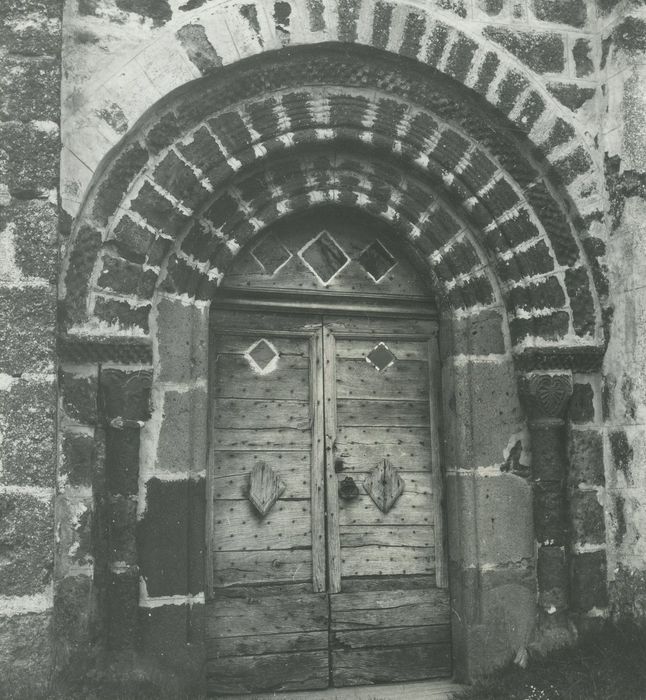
(125, 397)
(545, 396)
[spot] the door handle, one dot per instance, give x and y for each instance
(348, 490)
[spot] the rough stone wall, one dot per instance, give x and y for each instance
(623, 81)
(30, 40)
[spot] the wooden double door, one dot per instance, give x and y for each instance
(326, 558)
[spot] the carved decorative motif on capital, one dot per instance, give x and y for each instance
(545, 396)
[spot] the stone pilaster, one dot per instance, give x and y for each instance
(545, 398)
(125, 404)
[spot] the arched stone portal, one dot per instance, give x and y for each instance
(481, 210)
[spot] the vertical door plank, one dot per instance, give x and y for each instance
(437, 480)
(333, 541)
(317, 464)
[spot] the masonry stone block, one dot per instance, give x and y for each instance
(549, 448)
(30, 88)
(27, 322)
(122, 314)
(79, 395)
(589, 585)
(33, 153)
(122, 519)
(585, 452)
(163, 629)
(483, 406)
(162, 536)
(549, 513)
(35, 233)
(504, 519)
(125, 394)
(26, 653)
(542, 52)
(74, 533)
(122, 460)
(479, 334)
(123, 597)
(460, 513)
(28, 424)
(552, 578)
(581, 409)
(74, 603)
(573, 12)
(27, 543)
(587, 518)
(78, 459)
(182, 438)
(183, 341)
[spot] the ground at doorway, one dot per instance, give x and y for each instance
(607, 664)
(426, 690)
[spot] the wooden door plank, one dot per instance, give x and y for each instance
(378, 413)
(224, 321)
(437, 476)
(290, 379)
(400, 536)
(233, 568)
(237, 526)
(234, 485)
(370, 326)
(415, 482)
(407, 379)
(392, 636)
(359, 348)
(394, 608)
(406, 663)
(238, 344)
(400, 437)
(382, 560)
(222, 647)
(361, 458)
(255, 610)
(332, 494)
(268, 673)
(259, 439)
(410, 509)
(261, 414)
(317, 477)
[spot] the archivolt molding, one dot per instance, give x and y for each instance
(196, 182)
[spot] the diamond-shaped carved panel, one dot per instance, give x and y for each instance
(271, 255)
(324, 257)
(376, 261)
(265, 487)
(381, 357)
(262, 356)
(384, 485)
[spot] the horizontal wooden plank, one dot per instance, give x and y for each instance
(231, 472)
(386, 438)
(392, 636)
(406, 663)
(414, 482)
(267, 673)
(238, 526)
(262, 566)
(226, 320)
(400, 536)
(236, 344)
(410, 509)
(236, 612)
(388, 584)
(405, 379)
(377, 413)
(393, 608)
(369, 326)
(221, 647)
(234, 378)
(361, 457)
(359, 348)
(386, 561)
(270, 439)
(261, 414)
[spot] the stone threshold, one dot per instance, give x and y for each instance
(424, 690)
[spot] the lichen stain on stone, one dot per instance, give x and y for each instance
(198, 47)
(250, 13)
(157, 10)
(622, 452)
(114, 117)
(282, 12)
(191, 5)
